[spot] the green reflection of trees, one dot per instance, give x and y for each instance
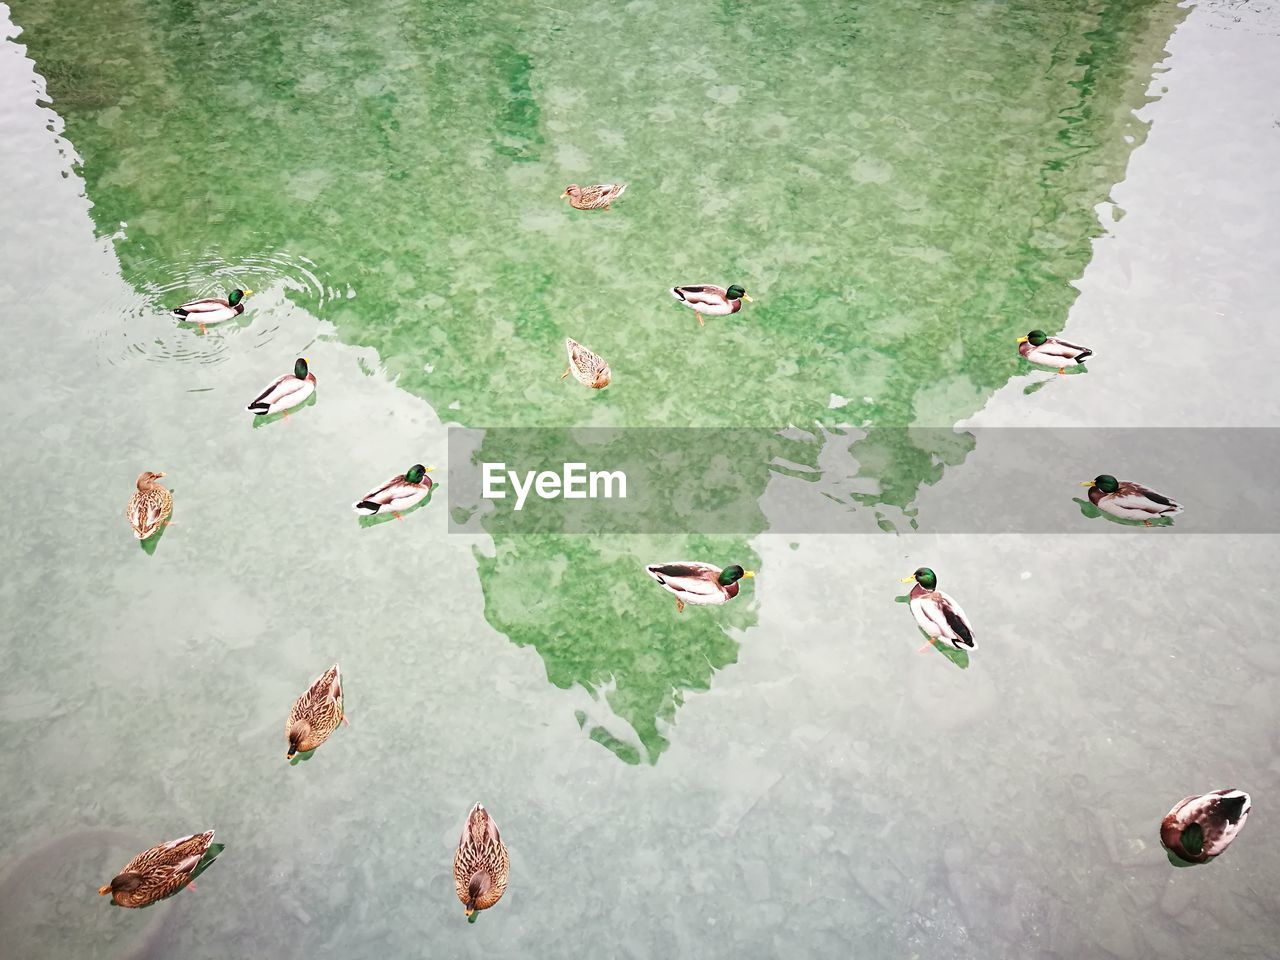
(904, 192)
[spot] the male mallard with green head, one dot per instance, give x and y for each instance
(315, 714)
(698, 583)
(399, 493)
(286, 392)
(711, 300)
(481, 865)
(1050, 351)
(162, 871)
(938, 615)
(1197, 829)
(1129, 501)
(597, 197)
(211, 310)
(149, 508)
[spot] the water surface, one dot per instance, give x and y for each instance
(903, 191)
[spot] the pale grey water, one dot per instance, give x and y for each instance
(833, 793)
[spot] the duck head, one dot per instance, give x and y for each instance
(121, 883)
(417, 472)
(732, 574)
(1104, 482)
(923, 576)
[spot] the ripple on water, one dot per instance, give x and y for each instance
(143, 330)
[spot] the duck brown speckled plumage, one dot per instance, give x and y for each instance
(597, 197)
(161, 871)
(149, 507)
(481, 864)
(315, 714)
(589, 369)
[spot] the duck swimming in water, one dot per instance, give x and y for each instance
(1198, 829)
(162, 871)
(938, 615)
(481, 864)
(286, 392)
(212, 309)
(698, 583)
(1129, 501)
(1050, 351)
(711, 300)
(597, 197)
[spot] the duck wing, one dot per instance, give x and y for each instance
(599, 195)
(207, 305)
(1222, 815)
(707, 294)
(276, 391)
(943, 611)
(1134, 496)
(1061, 348)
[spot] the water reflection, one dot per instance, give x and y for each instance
(443, 210)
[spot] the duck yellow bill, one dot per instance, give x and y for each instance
(746, 298)
(748, 573)
(247, 293)
(429, 469)
(1086, 483)
(907, 579)
(1023, 339)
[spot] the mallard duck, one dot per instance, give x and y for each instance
(162, 871)
(481, 864)
(1199, 828)
(285, 393)
(398, 493)
(938, 614)
(1129, 501)
(212, 310)
(712, 300)
(593, 198)
(315, 714)
(1050, 351)
(589, 369)
(698, 583)
(150, 507)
